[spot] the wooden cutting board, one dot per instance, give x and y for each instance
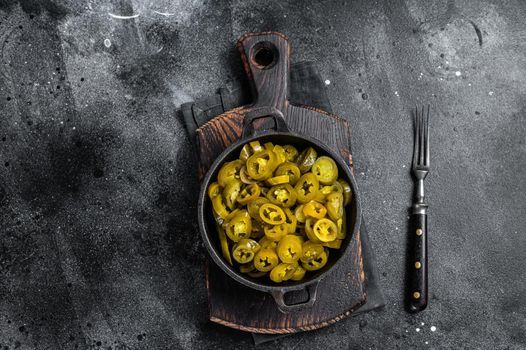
(266, 59)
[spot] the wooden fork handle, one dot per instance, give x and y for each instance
(418, 268)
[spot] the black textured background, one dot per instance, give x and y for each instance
(99, 246)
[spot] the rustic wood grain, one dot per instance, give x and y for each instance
(342, 291)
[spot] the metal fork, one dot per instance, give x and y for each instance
(418, 298)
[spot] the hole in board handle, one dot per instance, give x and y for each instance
(264, 55)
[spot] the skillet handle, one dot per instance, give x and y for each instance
(279, 297)
(263, 112)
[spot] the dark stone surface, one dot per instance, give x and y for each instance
(99, 245)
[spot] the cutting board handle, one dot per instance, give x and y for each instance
(266, 59)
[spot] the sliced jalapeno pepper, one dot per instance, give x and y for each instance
(306, 187)
(278, 180)
(257, 229)
(231, 215)
(282, 195)
(298, 274)
(256, 146)
(224, 244)
(291, 170)
(319, 197)
(214, 190)
(268, 145)
(246, 152)
(334, 205)
(253, 207)
(249, 149)
(298, 213)
(248, 194)
(347, 192)
(318, 262)
(271, 214)
(220, 209)
(290, 249)
(290, 221)
(265, 242)
(229, 171)
(309, 225)
(325, 169)
(311, 251)
(244, 250)
(326, 190)
(282, 272)
(342, 226)
(261, 164)
(334, 187)
(231, 192)
(275, 232)
(314, 209)
(279, 151)
(243, 176)
(290, 153)
(325, 230)
(306, 159)
(246, 268)
(239, 226)
(266, 259)
(336, 244)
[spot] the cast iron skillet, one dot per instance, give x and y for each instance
(281, 136)
(269, 78)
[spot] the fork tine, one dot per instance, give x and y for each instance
(415, 138)
(421, 138)
(426, 146)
